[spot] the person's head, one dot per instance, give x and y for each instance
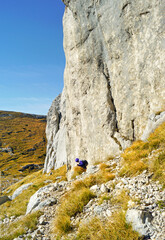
(77, 160)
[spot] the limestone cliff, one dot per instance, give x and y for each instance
(56, 135)
(114, 77)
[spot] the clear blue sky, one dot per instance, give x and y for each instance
(32, 60)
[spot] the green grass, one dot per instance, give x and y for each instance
(19, 227)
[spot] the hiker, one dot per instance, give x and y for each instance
(81, 163)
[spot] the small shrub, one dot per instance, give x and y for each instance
(91, 180)
(103, 166)
(98, 178)
(103, 177)
(87, 182)
(75, 202)
(79, 184)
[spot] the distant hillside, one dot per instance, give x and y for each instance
(22, 142)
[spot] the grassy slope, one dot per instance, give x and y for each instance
(25, 134)
(141, 155)
(149, 155)
(18, 206)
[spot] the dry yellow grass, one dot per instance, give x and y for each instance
(26, 136)
(158, 167)
(71, 204)
(116, 229)
(91, 180)
(136, 158)
(19, 227)
(104, 166)
(103, 198)
(18, 206)
(121, 200)
(77, 171)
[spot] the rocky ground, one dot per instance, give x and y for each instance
(145, 211)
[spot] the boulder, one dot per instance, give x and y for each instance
(19, 190)
(37, 200)
(46, 202)
(4, 199)
(140, 220)
(103, 188)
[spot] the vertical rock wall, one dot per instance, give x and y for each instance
(56, 135)
(114, 75)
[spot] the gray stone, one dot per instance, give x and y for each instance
(131, 204)
(103, 188)
(47, 181)
(109, 213)
(19, 190)
(98, 209)
(47, 202)
(113, 81)
(56, 135)
(124, 181)
(114, 75)
(153, 122)
(139, 220)
(4, 199)
(92, 169)
(35, 200)
(95, 188)
(42, 221)
(59, 177)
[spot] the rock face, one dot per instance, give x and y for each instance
(113, 81)
(56, 135)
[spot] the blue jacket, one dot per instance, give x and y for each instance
(83, 164)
